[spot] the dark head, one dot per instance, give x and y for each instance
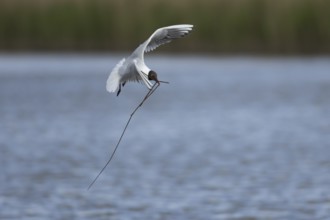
(152, 75)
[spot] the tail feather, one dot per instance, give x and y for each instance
(113, 81)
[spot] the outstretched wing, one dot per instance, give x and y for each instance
(167, 34)
(162, 36)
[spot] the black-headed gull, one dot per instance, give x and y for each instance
(133, 68)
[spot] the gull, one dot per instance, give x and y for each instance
(133, 67)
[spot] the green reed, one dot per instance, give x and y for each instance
(266, 26)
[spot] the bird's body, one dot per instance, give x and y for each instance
(133, 67)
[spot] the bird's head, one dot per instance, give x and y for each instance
(152, 75)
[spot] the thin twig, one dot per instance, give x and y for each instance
(150, 92)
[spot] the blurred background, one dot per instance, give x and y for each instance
(240, 133)
(226, 26)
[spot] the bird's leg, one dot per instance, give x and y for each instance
(119, 90)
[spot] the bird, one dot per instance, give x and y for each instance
(133, 68)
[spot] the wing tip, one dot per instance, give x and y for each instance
(112, 86)
(182, 26)
(114, 77)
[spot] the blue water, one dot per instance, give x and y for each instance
(238, 138)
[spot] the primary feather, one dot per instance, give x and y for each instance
(167, 34)
(113, 81)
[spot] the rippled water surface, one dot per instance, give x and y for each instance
(229, 138)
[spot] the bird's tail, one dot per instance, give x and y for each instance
(113, 81)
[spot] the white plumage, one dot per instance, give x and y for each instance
(133, 68)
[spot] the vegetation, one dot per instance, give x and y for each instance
(261, 26)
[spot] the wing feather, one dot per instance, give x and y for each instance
(114, 78)
(139, 71)
(165, 35)
(144, 77)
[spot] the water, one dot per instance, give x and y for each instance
(229, 138)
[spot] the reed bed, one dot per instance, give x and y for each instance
(228, 26)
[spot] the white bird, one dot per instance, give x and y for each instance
(133, 68)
